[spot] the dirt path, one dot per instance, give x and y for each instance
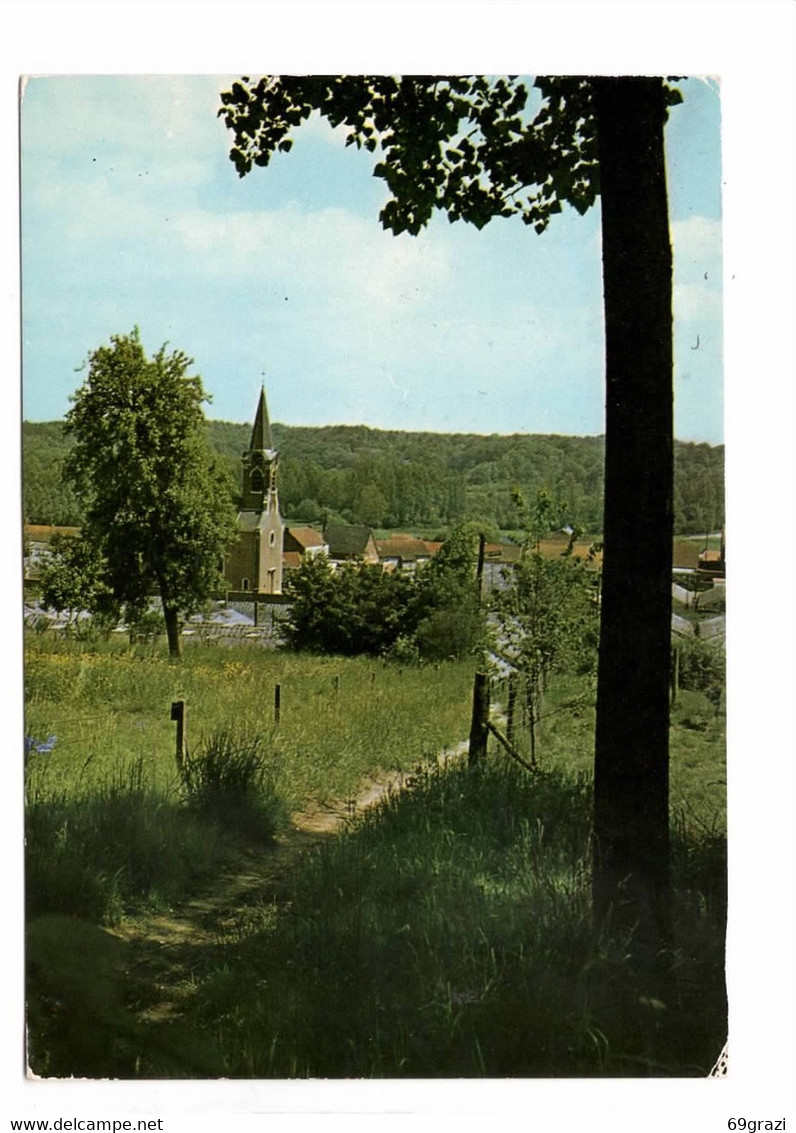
(167, 953)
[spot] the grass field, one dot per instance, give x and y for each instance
(109, 709)
(445, 933)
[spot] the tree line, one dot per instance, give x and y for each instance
(394, 479)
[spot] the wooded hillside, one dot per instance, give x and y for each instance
(394, 479)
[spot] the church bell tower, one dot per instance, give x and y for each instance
(260, 464)
(257, 563)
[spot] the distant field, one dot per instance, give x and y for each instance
(109, 707)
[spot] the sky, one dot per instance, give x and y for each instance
(133, 215)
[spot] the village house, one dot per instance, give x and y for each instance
(404, 552)
(715, 562)
(350, 543)
(499, 562)
(301, 541)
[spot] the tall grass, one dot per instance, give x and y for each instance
(698, 765)
(341, 718)
(107, 820)
(232, 780)
(98, 848)
(448, 934)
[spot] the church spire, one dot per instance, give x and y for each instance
(256, 562)
(261, 433)
(260, 462)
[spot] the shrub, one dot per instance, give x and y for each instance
(232, 780)
(403, 651)
(450, 633)
(146, 626)
(702, 665)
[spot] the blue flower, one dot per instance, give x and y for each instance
(41, 746)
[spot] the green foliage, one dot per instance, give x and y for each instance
(698, 488)
(403, 651)
(47, 498)
(146, 626)
(452, 632)
(427, 480)
(75, 578)
(548, 612)
(462, 144)
(355, 609)
(453, 567)
(702, 664)
(359, 608)
(157, 508)
(232, 779)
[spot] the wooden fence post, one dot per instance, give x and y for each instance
(479, 570)
(277, 703)
(479, 727)
(510, 707)
(675, 677)
(178, 715)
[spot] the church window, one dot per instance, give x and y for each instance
(256, 480)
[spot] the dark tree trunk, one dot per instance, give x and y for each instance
(631, 776)
(170, 617)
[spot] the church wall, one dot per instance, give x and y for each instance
(271, 532)
(242, 562)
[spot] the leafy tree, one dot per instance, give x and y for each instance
(370, 505)
(454, 565)
(448, 615)
(74, 578)
(306, 511)
(467, 146)
(547, 614)
(312, 587)
(157, 507)
(360, 608)
(356, 609)
(702, 664)
(453, 631)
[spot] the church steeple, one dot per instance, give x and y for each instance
(260, 463)
(261, 433)
(256, 563)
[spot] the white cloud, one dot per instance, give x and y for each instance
(697, 295)
(696, 244)
(696, 301)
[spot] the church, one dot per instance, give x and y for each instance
(254, 564)
(265, 547)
